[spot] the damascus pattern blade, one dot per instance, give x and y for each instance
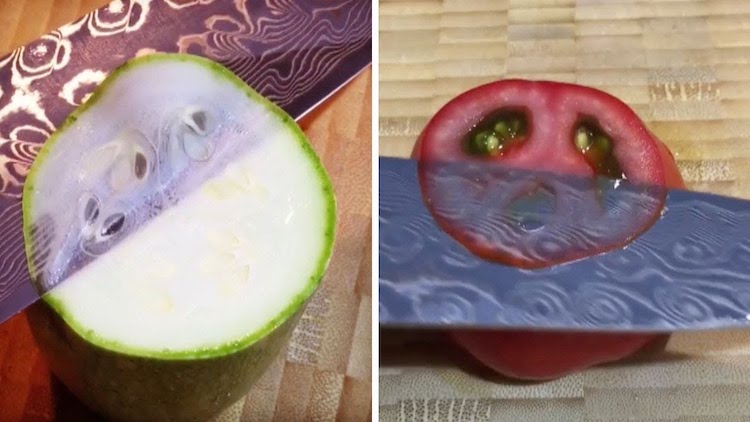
(687, 271)
(295, 53)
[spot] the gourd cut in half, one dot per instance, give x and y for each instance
(177, 223)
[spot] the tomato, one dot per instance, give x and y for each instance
(537, 355)
(564, 129)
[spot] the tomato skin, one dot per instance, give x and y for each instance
(540, 356)
(545, 355)
(672, 177)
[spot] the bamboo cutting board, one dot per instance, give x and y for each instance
(325, 374)
(684, 66)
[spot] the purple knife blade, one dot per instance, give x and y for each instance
(689, 269)
(297, 54)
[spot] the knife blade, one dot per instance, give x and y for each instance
(314, 49)
(684, 269)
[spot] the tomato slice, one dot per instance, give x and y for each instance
(552, 114)
(561, 124)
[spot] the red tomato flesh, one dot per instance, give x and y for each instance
(552, 113)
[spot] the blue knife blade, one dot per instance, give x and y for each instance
(687, 269)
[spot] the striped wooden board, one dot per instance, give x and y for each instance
(684, 66)
(325, 374)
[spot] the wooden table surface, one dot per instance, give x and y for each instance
(326, 371)
(684, 66)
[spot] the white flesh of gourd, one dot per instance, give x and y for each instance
(230, 256)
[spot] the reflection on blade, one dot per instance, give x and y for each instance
(450, 247)
(297, 54)
(534, 219)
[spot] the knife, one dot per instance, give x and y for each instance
(658, 259)
(296, 54)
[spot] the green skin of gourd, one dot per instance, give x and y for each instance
(122, 385)
(130, 388)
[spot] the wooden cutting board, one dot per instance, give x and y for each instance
(684, 66)
(325, 374)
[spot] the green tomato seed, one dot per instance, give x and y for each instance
(515, 127)
(480, 141)
(492, 144)
(604, 144)
(597, 148)
(583, 139)
(502, 130)
(496, 132)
